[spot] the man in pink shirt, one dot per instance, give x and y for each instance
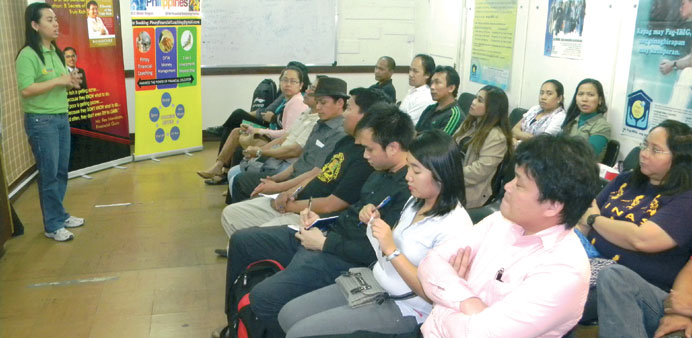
(522, 271)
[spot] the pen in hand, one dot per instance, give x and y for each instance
(382, 204)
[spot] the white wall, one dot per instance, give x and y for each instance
(608, 35)
(443, 29)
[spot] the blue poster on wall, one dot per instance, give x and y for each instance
(660, 78)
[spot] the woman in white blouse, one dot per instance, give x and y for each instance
(547, 116)
(433, 213)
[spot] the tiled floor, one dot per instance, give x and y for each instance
(144, 270)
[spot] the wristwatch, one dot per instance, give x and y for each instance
(393, 255)
(675, 65)
(258, 153)
(591, 219)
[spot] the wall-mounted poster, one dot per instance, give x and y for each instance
(493, 42)
(660, 79)
(563, 31)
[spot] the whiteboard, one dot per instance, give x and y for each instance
(268, 32)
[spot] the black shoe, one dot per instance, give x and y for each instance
(221, 253)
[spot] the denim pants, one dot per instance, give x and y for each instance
(49, 137)
(305, 270)
(628, 305)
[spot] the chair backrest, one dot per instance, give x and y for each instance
(631, 160)
(515, 116)
(478, 214)
(465, 100)
(504, 174)
(611, 154)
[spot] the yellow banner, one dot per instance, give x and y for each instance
(168, 96)
(493, 41)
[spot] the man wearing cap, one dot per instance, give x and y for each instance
(332, 186)
(384, 69)
(331, 96)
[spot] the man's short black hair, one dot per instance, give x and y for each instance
(390, 62)
(564, 170)
(92, 2)
(388, 124)
(452, 77)
(69, 48)
(366, 97)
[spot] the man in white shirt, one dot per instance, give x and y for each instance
(419, 75)
(94, 23)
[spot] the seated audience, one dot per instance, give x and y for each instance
(312, 258)
(585, 116)
(445, 114)
(262, 116)
(418, 97)
(547, 116)
(522, 271)
(641, 219)
(331, 96)
(384, 69)
(485, 139)
(291, 84)
(332, 188)
(281, 152)
(433, 215)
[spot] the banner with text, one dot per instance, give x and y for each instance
(660, 79)
(168, 96)
(493, 42)
(92, 45)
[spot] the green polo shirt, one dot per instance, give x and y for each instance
(31, 70)
(595, 129)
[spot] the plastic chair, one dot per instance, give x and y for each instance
(631, 160)
(611, 154)
(515, 116)
(465, 100)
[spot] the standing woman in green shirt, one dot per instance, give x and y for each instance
(585, 116)
(43, 81)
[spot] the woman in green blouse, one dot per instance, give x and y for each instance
(585, 116)
(43, 81)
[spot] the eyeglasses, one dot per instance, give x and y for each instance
(645, 146)
(290, 81)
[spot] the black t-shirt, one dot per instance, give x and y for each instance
(347, 238)
(387, 88)
(343, 173)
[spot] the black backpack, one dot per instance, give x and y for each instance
(265, 93)
(242, 322)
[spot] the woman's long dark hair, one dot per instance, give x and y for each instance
(679, 177)
(573, 111)
(32, 38)
(496, 115)
(438, 152)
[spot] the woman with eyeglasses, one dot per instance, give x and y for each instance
(641, 220)
(291, 86)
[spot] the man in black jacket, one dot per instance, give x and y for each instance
(313, 259)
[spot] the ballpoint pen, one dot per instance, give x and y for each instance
(382, 204)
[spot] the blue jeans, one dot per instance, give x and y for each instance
(628, 305)
(49, 136)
